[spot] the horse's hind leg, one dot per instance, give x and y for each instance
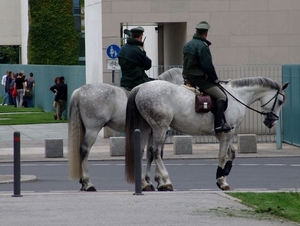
(161, 174)
(146, 182)
(85, 147)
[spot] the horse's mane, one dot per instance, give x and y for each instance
(173, 75)
(261, 81)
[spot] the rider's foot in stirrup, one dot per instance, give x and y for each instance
(225, 127)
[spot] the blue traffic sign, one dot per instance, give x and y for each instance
(112, 51)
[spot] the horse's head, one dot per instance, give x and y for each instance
(271, 105)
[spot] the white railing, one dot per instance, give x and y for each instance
(253, 122)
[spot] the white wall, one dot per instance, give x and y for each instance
(242, 31)
(24, 30)
(10, 22)
(93, 41)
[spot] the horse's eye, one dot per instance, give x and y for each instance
(280, 102)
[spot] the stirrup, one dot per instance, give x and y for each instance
(225, 127)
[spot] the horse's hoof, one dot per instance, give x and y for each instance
(91, 188)
(149, 187)
(226, 188)
(223, 188)
(167, 187)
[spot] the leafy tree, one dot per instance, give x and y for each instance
(52, 37)
(9, 54)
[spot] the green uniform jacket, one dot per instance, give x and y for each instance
(133, 61)
(197, 62)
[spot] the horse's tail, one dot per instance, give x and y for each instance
(75, 134)
(133, 119)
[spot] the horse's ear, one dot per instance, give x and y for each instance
(285, 86)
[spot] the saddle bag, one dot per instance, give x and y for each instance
(203, 103)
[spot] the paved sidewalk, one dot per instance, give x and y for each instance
(126, 209)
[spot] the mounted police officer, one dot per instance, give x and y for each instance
(198, 69)
(134, 61)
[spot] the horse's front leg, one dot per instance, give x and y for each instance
(224, 167)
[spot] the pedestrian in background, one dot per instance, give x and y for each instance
(3, 83)
(20, 86)
(13, 91)
(56, 81)
(61, 95)
(29, 92)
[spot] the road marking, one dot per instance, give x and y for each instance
(207, 189)
(200, 164)
(249, 164)
(274, 164)
(55, 164)
(176, 164)
(101, 164)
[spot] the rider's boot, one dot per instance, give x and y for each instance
(219, 111)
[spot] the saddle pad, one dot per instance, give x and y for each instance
(193, 89)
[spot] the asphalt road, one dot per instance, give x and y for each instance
(186, 175)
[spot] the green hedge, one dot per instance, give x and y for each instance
(52, 37)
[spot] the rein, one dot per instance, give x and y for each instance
(260, 112)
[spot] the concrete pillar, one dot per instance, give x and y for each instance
(54, 148)
(182, 145)
(117, 146)
(93, 41)
(247, 143)
(24, 30)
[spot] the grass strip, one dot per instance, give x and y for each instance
(280, 204)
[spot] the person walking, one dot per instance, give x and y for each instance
(133, 60)
(61, 91)
(199, 70)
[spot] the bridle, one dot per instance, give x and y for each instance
(270, 116)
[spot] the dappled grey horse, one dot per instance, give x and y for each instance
(92, 107)
(153, 107)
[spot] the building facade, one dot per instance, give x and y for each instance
(242, 31)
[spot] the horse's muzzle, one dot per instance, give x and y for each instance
(270, 119)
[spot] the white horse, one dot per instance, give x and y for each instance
(92, 107)
(153, 107)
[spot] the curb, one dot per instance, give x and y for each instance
(7, 179)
